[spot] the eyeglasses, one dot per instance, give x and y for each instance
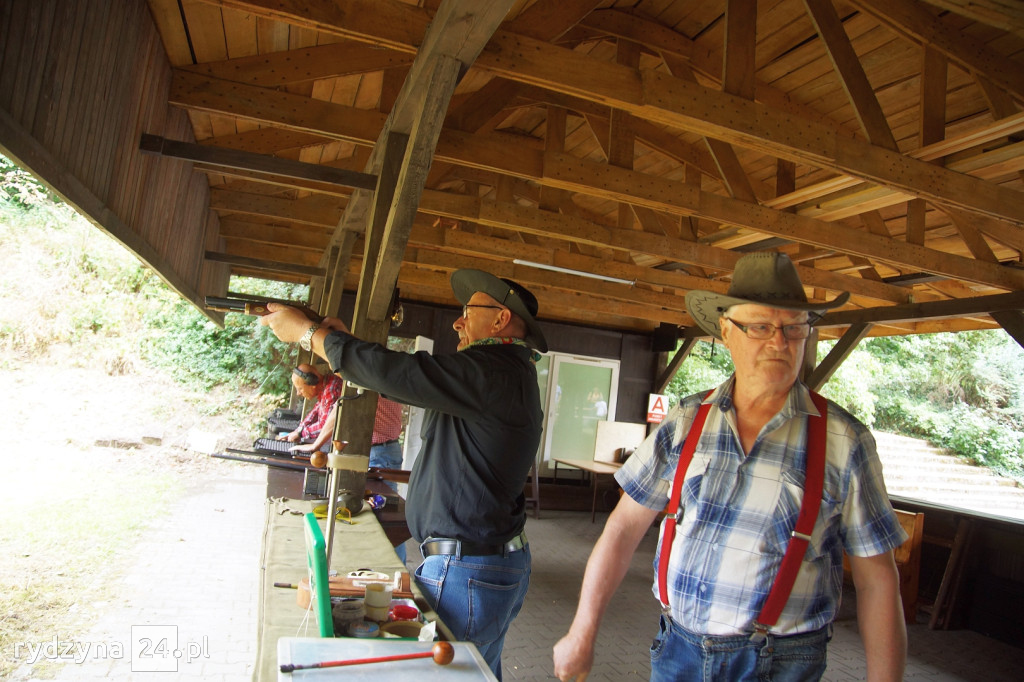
(466, 307)
(762, 331)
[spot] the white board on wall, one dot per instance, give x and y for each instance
(614, 435)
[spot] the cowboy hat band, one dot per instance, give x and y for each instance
(512, 295)
(765, 278)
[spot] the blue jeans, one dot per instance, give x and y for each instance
(677, 654)
(477, 597)
(389, 457)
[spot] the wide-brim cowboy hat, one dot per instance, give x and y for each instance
(765, 278)
(512, 295)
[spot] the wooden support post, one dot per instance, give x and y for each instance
(942, 611)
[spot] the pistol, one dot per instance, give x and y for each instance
(257, 306)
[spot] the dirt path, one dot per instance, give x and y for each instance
(101, 475)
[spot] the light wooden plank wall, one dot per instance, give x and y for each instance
(81, 82)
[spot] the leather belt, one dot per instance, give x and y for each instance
(432, 546)
(387, 442)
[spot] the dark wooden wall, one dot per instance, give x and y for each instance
(80, 81)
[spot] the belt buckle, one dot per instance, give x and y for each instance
(514, 545)
(509, 547)
(442, 544)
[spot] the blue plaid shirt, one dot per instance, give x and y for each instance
(738, 511)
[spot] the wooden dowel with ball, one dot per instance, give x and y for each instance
(441, 652)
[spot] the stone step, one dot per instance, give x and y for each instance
(904, 442)
(925, 470)
(972, 486)
(899, 451)
(907, 455)
(987, 498)
(947, 475)
(947, 471)
(917, 470)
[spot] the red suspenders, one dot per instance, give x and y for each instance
(814, 478)
(671, 520)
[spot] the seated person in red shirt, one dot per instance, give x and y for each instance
(318, 424)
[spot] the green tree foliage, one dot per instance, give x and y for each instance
(66, 284)
(961, 391)
(62, 282)
(193, 348)
(850, 385)
(707, 366)
(21, 190)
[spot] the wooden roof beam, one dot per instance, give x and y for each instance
(549, 20)
(260, 163)
(476, 244)
(932, 310)
(674, 47)
(507, 154)
(262, 264)
(851, 73)
(827, 367)
(658, 193)
(1013, 322)
(513, 216)
(385, 23)
(1003, 14)
(306, 64)
(915, 21)
(673, 102)
(455, 36)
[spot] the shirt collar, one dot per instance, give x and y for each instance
(798, 400)
(504, 341)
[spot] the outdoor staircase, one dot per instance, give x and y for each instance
(917, 470)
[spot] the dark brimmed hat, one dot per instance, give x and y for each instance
(512, 295)
(766, 278)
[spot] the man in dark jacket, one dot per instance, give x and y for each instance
(482, 428)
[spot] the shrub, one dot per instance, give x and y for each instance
(707, 366)
(196, 350)
(850, 385)
(977, 436)
(65, 283)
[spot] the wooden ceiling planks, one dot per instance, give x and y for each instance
(790, 59)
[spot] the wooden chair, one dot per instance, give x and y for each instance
(908, 562)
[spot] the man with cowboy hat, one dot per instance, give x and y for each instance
(749, 568)
(482, 427)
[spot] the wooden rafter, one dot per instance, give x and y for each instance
(500, 153)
